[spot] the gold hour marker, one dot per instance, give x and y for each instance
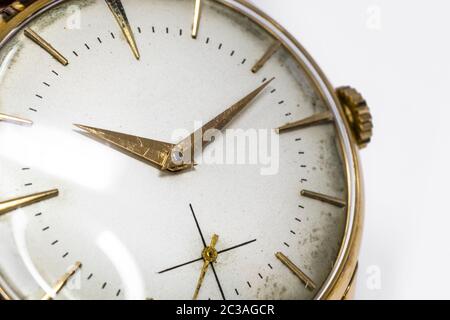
(296, 270)
(14, 204)
(4, 295)
(46, 46)
(8, 118)
(267, 55)
(119, 13)
(324, 198)
(153, 151)
(317, 119)
(62, 282)
(197, 13)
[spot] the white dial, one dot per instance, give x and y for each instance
(126, 220)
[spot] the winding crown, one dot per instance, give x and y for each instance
(357, 113)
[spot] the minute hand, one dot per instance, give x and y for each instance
(190, 144)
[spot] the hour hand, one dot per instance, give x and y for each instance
(150, 151)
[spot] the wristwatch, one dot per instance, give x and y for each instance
(173, 149)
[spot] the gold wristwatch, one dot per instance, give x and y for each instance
(172, 149)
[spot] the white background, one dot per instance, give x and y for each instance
(396, 52)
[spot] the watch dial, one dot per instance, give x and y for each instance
(262, 213)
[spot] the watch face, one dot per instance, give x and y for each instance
(259, 212)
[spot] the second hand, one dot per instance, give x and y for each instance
(209, 256)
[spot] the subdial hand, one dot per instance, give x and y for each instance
(150, 151)
(209, 255)
(62, 282)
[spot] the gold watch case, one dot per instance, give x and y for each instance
(353, 124)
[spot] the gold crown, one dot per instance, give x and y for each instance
(358, 114)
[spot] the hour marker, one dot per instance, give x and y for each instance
(317, 119)
(62, 282)
(13, 204)
(4, 295)
(267, 55)
(46, 46)
(324, 198)
(12, 119)
(296, 270)
(119, 13)
(197, 13)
